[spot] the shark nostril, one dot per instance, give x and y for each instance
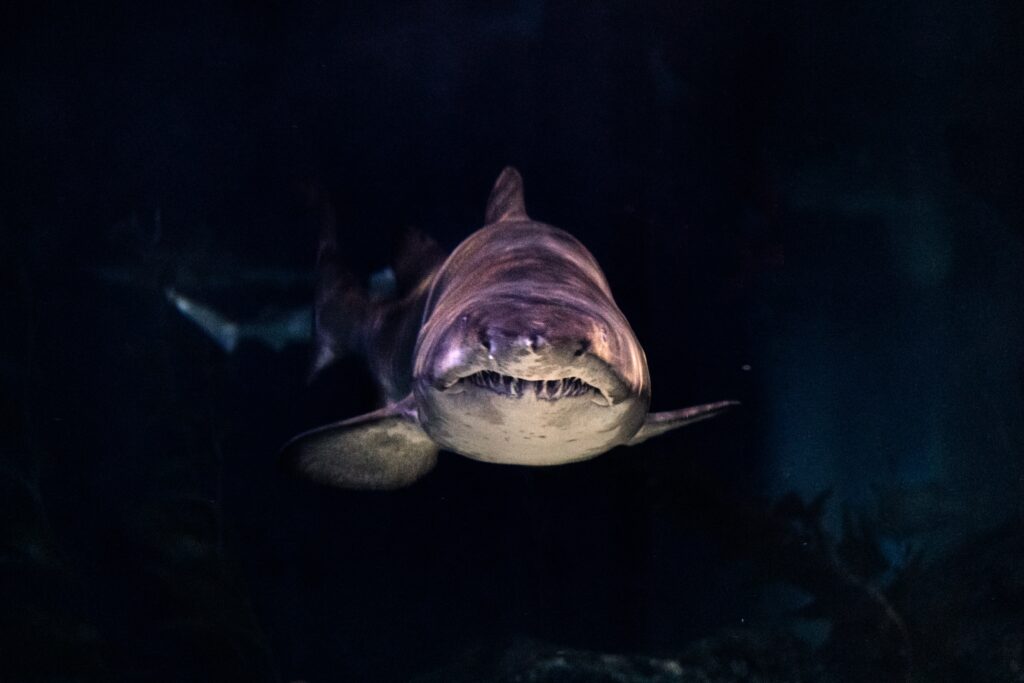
(582, 347)
(485, 340)
(536, 341)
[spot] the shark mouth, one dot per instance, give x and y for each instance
(548, 389)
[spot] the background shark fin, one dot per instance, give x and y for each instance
(383, 450)
(659, 423)
(223, 331)
(506, 202)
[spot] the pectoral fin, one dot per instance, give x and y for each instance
(659, 423)
(382, 450)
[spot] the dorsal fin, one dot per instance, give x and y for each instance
(506, 200)
(417, 258)
(341, 307)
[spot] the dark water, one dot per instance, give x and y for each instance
(814, 208)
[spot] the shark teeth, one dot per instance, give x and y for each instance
(550, 389)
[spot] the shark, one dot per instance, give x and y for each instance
(276, 330)
(509, 350)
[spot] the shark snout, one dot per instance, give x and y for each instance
(514, 329)
(534, 341)
(539, 342)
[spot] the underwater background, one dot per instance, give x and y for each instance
(812, 207)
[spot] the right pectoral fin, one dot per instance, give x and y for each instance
(659, 423)
(382, 450)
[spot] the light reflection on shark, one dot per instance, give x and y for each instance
(510, 350)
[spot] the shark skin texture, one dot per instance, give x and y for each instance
(510, 350)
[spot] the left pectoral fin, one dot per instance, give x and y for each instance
(382, 450)
(659, 423)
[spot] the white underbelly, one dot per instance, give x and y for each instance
(527, 430)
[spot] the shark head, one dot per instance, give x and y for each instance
(542, 375)
(523, 356)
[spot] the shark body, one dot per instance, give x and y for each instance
(510, 350)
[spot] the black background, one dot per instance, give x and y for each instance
(813, 207)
